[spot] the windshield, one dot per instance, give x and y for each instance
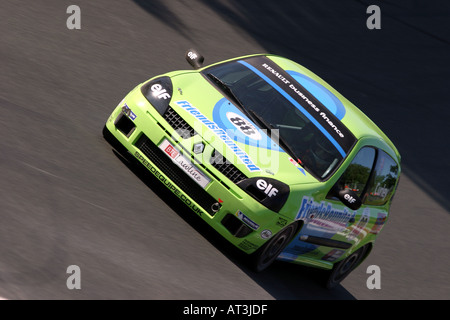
(302, 139)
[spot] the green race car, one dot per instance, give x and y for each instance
(268, 154)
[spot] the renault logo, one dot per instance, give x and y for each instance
(198, 148)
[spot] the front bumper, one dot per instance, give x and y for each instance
(135, 127)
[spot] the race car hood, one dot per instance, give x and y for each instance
(228, 130)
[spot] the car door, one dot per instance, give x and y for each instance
(330, 228)
(372, 175)
(356, 178)
(380, 190)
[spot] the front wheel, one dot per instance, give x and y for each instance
(267, 254)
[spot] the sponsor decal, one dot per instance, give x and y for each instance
(249, 222)
(360, 226)
(379, 223)
(325, 96)
(126, 110)
(282, 222)
(219, 132)
(170, 150)
(159, 92)
(168, 184)
(322, 220)
(240, 128)
(243, 126)
(247, 245)
(266, 187)
(302, 170)
(323, 214)
(295, 163)
(187, 166)
(349, 198)
(333, 255)
(295, 249)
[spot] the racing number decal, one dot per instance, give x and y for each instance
(243, 126)
(238, 122)
(240, 128)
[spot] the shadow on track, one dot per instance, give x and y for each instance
(395, 75)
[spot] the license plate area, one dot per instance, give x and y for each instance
(185, 164)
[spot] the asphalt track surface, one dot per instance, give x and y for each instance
(67, 199)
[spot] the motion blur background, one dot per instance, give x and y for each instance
(66, 199)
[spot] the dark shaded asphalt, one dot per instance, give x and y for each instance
(67, 199)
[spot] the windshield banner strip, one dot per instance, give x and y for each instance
(312, 108)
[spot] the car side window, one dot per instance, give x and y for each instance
(384, 180)
(357, 175)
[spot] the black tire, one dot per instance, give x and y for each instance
(267, 254)
(343, 268)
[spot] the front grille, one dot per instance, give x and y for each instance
(174, 173)
(179, 124)
(219, 162)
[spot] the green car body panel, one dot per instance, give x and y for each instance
(243, 205)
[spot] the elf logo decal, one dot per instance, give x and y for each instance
(243, 126)
(349, 198)
(266, 187)
(159, 91)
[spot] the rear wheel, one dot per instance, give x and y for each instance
(267, 254)
(343, 268)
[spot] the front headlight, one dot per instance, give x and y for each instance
(269, 192)
(158, 92)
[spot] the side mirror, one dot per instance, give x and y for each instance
(194, 58)
(350, 199)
